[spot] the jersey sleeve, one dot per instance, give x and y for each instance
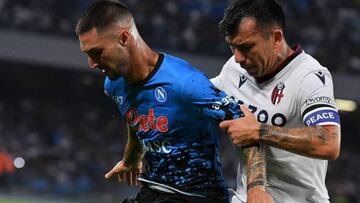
(317, 99)
(218, 81)
(201, 95)
(109, 92)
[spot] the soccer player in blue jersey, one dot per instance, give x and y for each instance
(172, 111)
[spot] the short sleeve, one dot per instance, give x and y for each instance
(317, 99)
(208, 100)
(218, 81)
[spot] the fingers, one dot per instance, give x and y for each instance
(128, 178)
(225, 124)
(138, 172)
(121, 177)
(113, 171)
(245, 109)
(109, 174)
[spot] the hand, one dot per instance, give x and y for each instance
(128, 174)
(243, 131)
(258, 195)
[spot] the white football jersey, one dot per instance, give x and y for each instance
(300, 95)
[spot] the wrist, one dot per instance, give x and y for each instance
(130, 163)
(263, 131)
(256, 185)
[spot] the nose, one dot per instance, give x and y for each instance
(239, 57)
(92, 63)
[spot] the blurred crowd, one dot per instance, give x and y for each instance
(327, 29)
(68, 149)
(69, 134)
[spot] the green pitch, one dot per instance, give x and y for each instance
(14, 201)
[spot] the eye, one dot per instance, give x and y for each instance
(245, 48)
(95, 53)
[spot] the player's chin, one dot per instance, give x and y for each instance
(252, 73)
(112, 76)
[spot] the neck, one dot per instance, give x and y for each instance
(283, 54)
(281, 57)
(142, 62)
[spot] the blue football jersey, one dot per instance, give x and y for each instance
(175, 113)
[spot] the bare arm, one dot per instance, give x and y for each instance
(321, 142)
(129, 168)
(134, 150)
(256, 175)
(255, 165)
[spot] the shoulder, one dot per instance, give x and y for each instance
(306, 64)
(179, 69)
(306, 70)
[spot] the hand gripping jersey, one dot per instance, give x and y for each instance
(175, 113)
(300, 95)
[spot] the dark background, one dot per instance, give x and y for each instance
(55, 115)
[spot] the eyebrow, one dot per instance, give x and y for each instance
(94, 49)
(248, 43)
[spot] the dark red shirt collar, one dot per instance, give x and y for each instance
(297, 50)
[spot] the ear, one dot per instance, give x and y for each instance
(123, 37)
(278, 38)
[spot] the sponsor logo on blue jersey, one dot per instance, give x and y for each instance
(145, 122)
(160, 94)
(118, 100)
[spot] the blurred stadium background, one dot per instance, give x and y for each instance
(65, 134)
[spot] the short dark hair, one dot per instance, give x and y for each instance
(102, 14)
(266, 13)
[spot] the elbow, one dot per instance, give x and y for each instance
(334, 154)
(328, 152)
(330, 155)
(332, 148)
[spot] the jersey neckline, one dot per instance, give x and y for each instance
(297, 51)
(153, 72)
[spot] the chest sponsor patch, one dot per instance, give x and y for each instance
(322, 116)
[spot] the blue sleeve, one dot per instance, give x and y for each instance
(201, 95)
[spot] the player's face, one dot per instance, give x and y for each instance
(253, 50)
(105, 52)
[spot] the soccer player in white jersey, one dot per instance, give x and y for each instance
(288, 103)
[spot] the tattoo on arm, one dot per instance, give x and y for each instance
(303, 141)
(255, 163)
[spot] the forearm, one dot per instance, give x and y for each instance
(316, 141)
(256, 170)
(133, 151)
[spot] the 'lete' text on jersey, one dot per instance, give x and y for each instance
(300, 95)
(175, 113)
